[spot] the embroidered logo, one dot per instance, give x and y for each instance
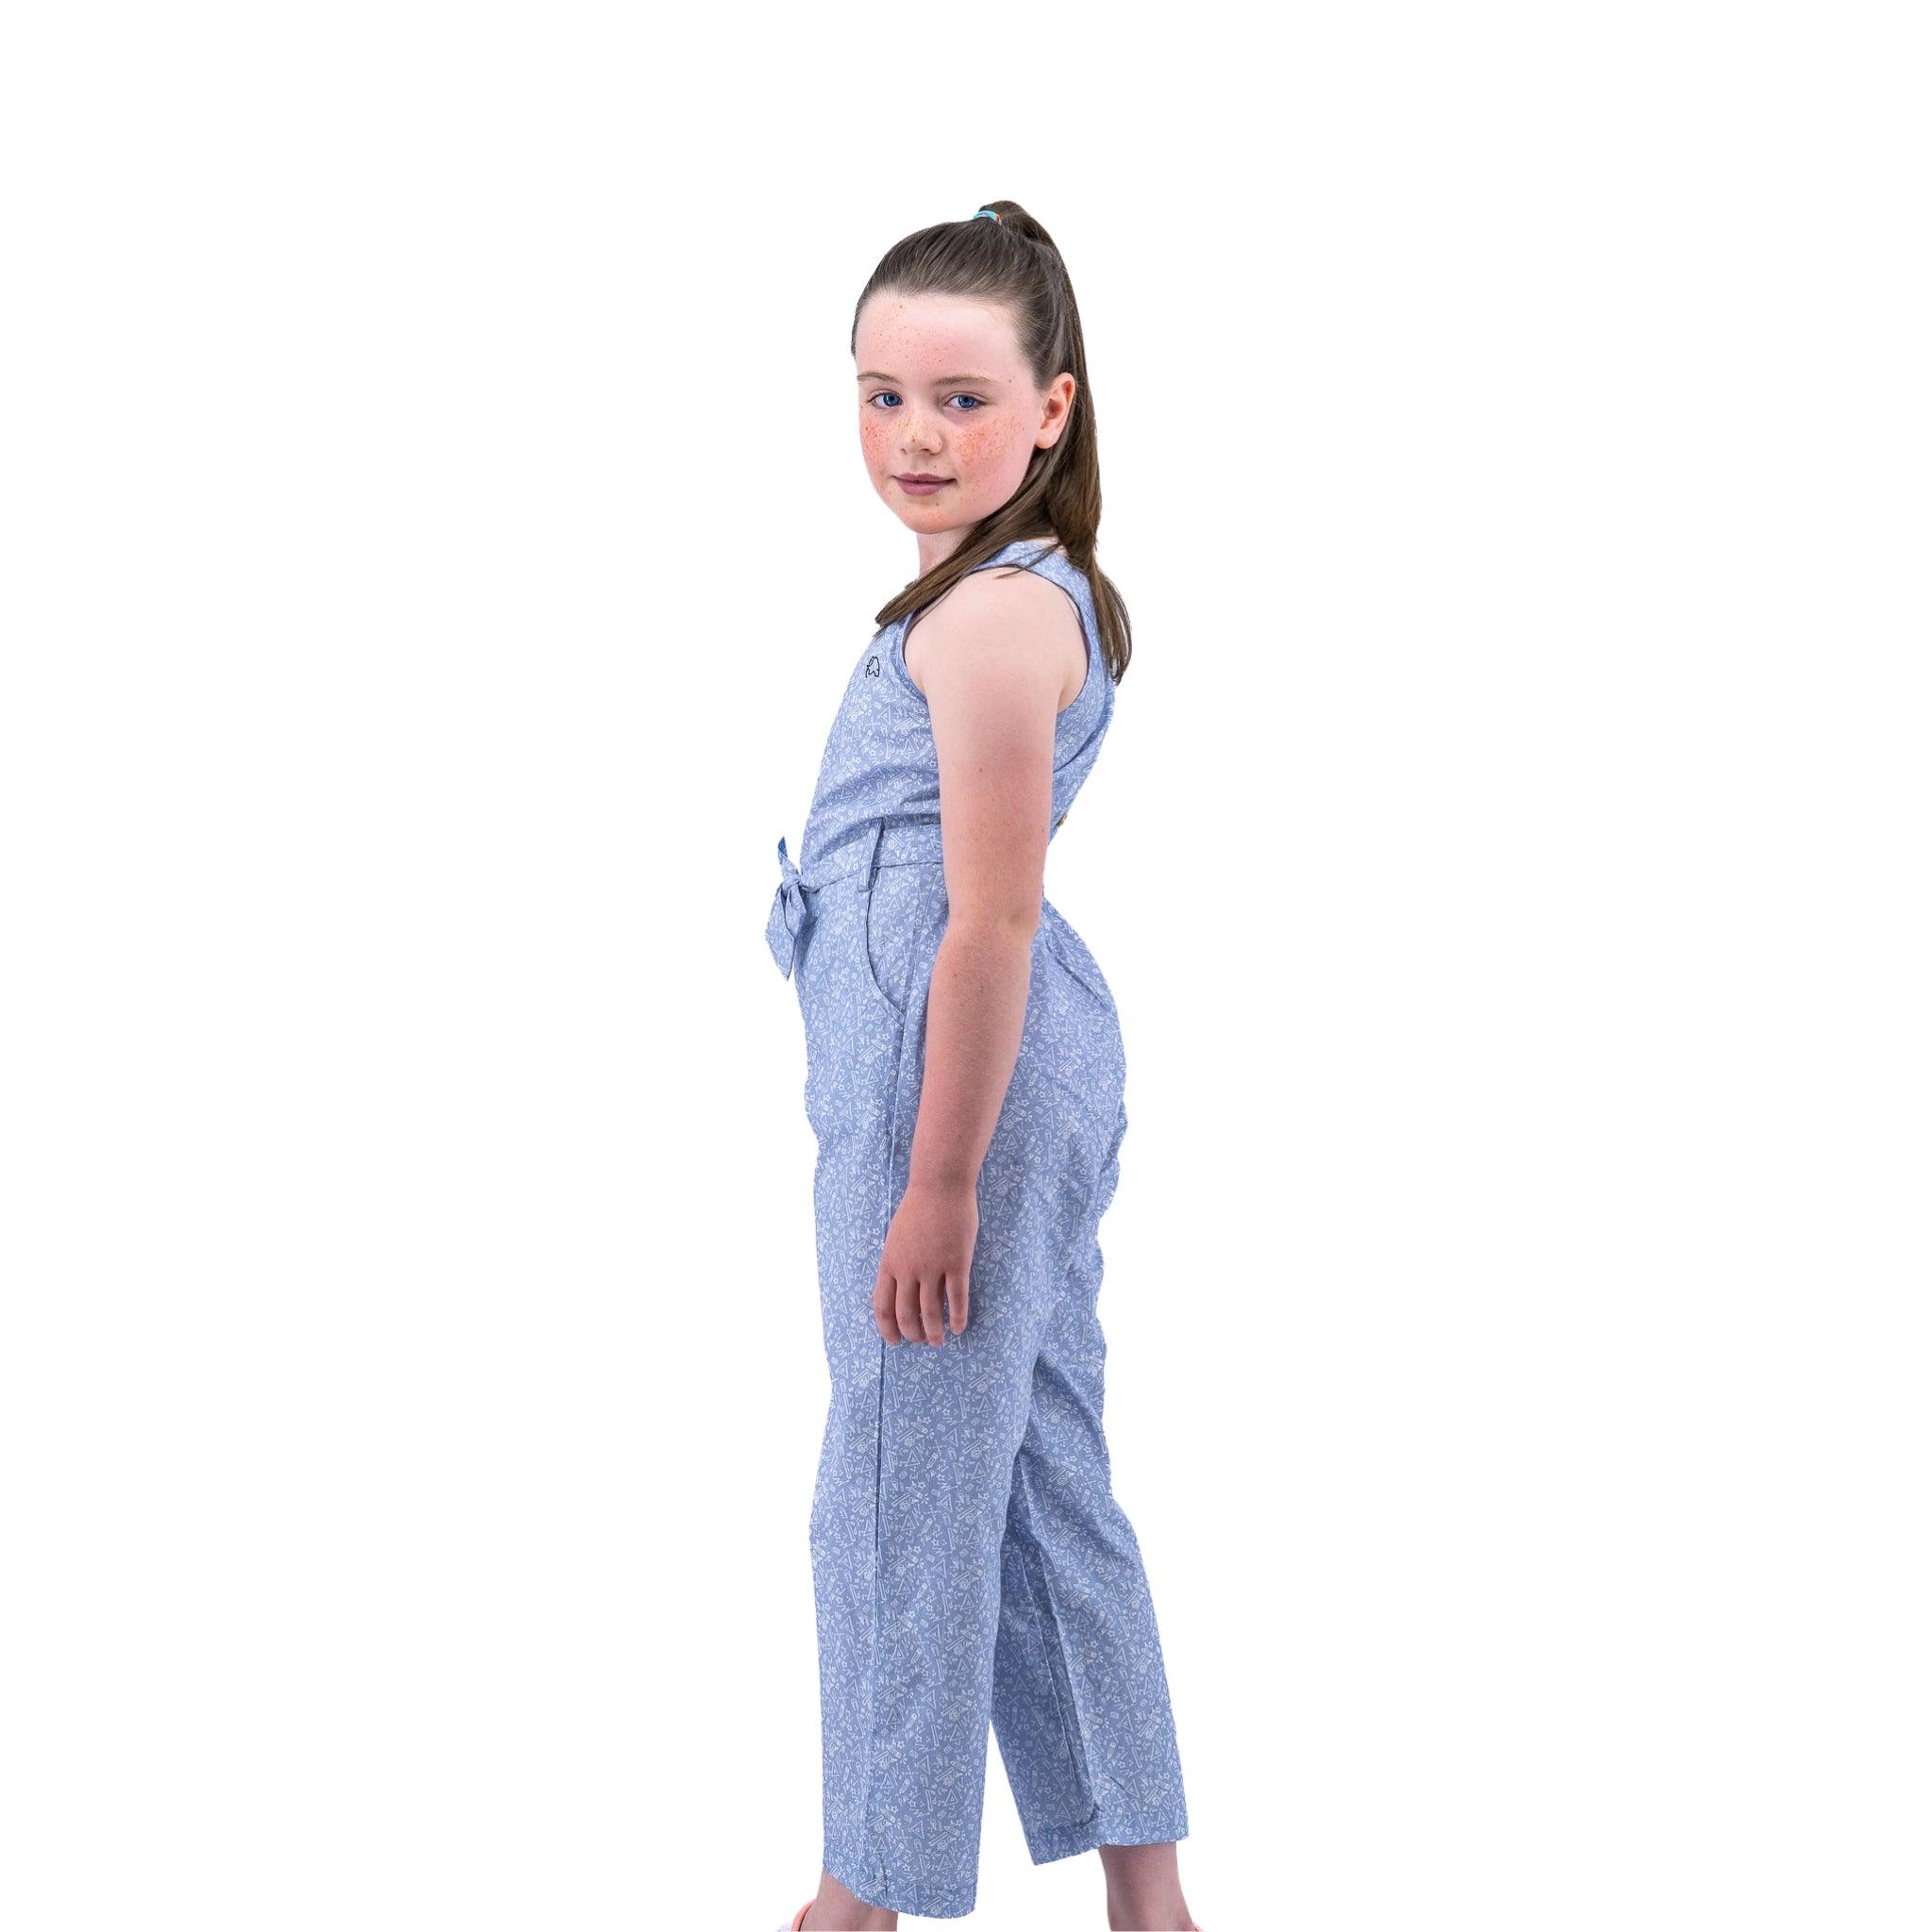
(872, 665)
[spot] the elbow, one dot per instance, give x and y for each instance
(1010, 924)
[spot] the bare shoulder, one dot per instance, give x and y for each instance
(1002, 601)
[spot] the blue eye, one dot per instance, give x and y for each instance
(960, 397)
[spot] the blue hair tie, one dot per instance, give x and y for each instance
(988, 213)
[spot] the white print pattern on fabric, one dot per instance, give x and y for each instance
(970, 1564)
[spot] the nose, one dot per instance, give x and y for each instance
(916, 439)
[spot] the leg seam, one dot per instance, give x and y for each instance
(1048, 1627)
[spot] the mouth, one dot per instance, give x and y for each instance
(921, 481)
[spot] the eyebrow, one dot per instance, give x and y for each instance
(881, 375)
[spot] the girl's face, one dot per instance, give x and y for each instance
(943, 392)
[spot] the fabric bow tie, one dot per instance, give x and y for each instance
(789, 914)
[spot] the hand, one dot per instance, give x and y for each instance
(928, 1249)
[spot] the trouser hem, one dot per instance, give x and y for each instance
(899, 1895)
(1046, 1843)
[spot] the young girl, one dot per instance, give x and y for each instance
(964, 1077)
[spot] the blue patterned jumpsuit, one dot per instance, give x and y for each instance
(969, 1561)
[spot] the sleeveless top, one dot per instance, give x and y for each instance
(881, 760)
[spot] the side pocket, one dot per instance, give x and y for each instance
(904, 920)
(883, 934)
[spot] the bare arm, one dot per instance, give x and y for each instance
(992, 682)
(994, 667)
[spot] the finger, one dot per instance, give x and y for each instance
(959, 1292)
(884, 1303)
(929, 1310)
(909, 1326)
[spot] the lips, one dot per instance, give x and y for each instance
(922, 479)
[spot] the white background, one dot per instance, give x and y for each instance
(434, 543)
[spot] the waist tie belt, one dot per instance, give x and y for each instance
(876, 842)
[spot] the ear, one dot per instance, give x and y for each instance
(1057, 410)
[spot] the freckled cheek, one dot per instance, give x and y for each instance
(876, 440)
(982, 449)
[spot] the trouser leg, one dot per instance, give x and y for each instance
(923, 1459)
(907, 1522)
(1080, 1696)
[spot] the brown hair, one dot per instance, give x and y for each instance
(1014, 262)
